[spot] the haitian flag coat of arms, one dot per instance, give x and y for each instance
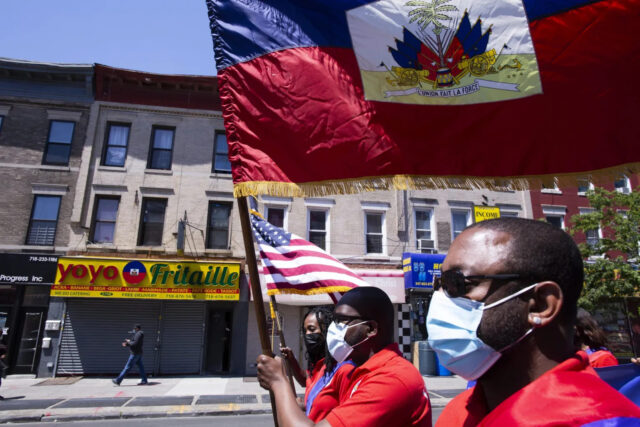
(342, 96)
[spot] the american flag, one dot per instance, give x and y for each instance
(295, 266)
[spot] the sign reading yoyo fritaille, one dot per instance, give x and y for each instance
(146, 279)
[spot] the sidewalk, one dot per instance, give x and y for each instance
(70, 399)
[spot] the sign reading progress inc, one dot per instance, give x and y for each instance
(27, 269)
(144, 279)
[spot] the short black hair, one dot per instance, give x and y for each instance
(373, 304)
(137, 325)
(539, 252)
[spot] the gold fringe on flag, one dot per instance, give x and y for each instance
(314, 291)
(422, 182)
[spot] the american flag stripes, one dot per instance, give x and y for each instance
(296, 266)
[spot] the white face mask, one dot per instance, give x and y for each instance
(336, 344)
(452, 325)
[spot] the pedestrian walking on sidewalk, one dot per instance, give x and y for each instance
(135, 358)
(3, 365)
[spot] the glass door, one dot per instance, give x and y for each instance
(29, 338)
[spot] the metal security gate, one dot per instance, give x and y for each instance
(94, 330)
(181, 337)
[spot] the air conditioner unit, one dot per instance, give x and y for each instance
(625, 190)
(426, 246)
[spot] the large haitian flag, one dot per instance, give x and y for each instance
(347, 95)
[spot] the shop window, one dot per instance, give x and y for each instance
(218, 225)
(374, 232)
(317, 227)
(104, 219)
(44, 220)
(276, 215)
(161, 150)
(221, 162)
(117, 140)
(460, 219)
(58, 147)
(152, 222)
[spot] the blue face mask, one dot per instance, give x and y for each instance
(452, 325)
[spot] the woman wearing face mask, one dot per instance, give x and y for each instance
(323, 377)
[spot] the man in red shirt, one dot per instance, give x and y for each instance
(384, 389)
(504, 315)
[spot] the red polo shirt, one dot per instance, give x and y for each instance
(387, 390)
(571, 394)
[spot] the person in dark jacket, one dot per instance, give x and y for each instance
(135, 358)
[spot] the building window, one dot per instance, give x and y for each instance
(58, 147)
(221, 154)
(592, 236)
(161, 148)
(218, 225)
(1, 121)
(317, 228)
(583, 186)
(276, 215)
(551, 188)
(44, 219)
(152, 222)
(459, 221)
(104, 219)
(424, 238)
(622, 185)
(374, 232)
(555, 220)
(115, 151)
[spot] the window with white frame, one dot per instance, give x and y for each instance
(374, 232)
(508, 214)
(317, 227)
(104, 219)
(551, 188)
(115, 148)
(554, 215)
(593, 236)
(152, 221)
(221, 163)
(460, 219)
(583, 186)
(276, 215)
(218, 225)
(423, 226)
(622, 185)
(58, 149)
(44, 220)
(161, 149)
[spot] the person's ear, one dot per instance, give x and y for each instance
(373, 328)
(545, 305)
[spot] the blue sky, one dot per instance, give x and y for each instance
(159, 36)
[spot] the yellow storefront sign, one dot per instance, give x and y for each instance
(146, 279)
(483, 213)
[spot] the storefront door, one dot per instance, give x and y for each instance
(30, 329)
(218, 341)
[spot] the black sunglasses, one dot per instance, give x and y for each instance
(454, 282)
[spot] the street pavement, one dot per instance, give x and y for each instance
(28, 399)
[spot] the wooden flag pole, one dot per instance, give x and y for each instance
(254, 282)
(283, 343)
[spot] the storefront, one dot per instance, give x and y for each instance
(25, 280)
(419, 272)
(193, 314)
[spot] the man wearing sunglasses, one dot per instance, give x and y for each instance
(503, 315)
(384, 389)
